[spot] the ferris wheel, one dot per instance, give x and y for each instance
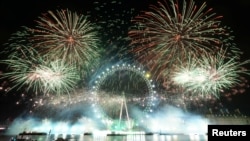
(120, 89)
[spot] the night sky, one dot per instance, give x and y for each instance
(14, 14)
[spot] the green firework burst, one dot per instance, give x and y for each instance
(210, 75)
(28, 70)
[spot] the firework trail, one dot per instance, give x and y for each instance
(114, 20)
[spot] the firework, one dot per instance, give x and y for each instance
(68, 36)
(28, 70)
(166, 34)
(57, 77)
(210, 75)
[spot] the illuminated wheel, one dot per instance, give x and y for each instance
(122, 94)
